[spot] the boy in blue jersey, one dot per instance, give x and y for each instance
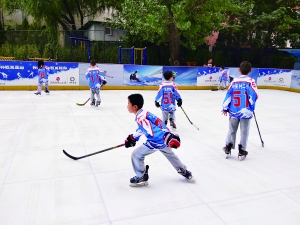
(240, 104)
(158, 138)
(95, 78)
(165, 99)
(223, 78)
(43, 74)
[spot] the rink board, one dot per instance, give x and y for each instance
(22, 75)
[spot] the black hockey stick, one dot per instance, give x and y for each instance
(81, 157)
(189, 119)
(262, 142)
(83, 103)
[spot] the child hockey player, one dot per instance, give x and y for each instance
(240, 104)
(43, 74)
(158, 138)
(223, 78)
(104, 82)
(165, 99)
(94, 76)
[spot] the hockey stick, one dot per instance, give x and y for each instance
(83, 103)
(189, 119)
(262, 142)
(81, 157)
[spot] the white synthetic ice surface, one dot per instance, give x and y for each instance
(40, 185)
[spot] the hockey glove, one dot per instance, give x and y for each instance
(157, 104)
(130, 141)
(179, 102)
(104, 82)
(172, 140)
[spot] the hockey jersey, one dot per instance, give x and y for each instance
(152, 127)
(167, 93)
(43, 73)
(224, 75)
(241, 97)
(95, 77)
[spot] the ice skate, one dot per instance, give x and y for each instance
(172, 123)
(47, 91)
(227, 150)
(37, 93)
(97, 104)
(242, 153)
(187, 174)
(93, 103)
(142, 181)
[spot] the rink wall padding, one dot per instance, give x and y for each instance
(22, 75)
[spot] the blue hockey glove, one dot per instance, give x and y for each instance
(172, 140)
(130, 141)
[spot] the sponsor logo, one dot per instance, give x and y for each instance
(57, 78)
(211, 79)
(280, 80)
(269, 80)
(57, 82)
(72, 80)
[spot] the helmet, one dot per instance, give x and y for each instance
(40, 63)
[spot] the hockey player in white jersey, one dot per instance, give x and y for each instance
(158, 138)
(240, 102)
(165, 99)
(223, 78)
(95, 78)
(43, 74)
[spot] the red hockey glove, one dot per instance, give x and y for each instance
(172, 140)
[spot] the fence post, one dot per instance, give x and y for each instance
(119, 55)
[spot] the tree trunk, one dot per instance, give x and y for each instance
(174, 40)
(174, 45)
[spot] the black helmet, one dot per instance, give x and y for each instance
(40, 63)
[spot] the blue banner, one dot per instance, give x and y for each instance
(186, 76)
(208, 76)
(295, 82)
(25, 73)
(234, 72)
(142, 75)
(274, 77)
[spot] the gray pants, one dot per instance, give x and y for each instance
(138, 157)
(168, 115)
(40, 84)
(244, 129)
(97, 92)
(224, 84)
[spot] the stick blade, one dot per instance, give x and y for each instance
(67, 154)
(79, 104)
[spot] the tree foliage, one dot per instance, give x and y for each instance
(263, 24)
(62, 12)
(177, 22)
